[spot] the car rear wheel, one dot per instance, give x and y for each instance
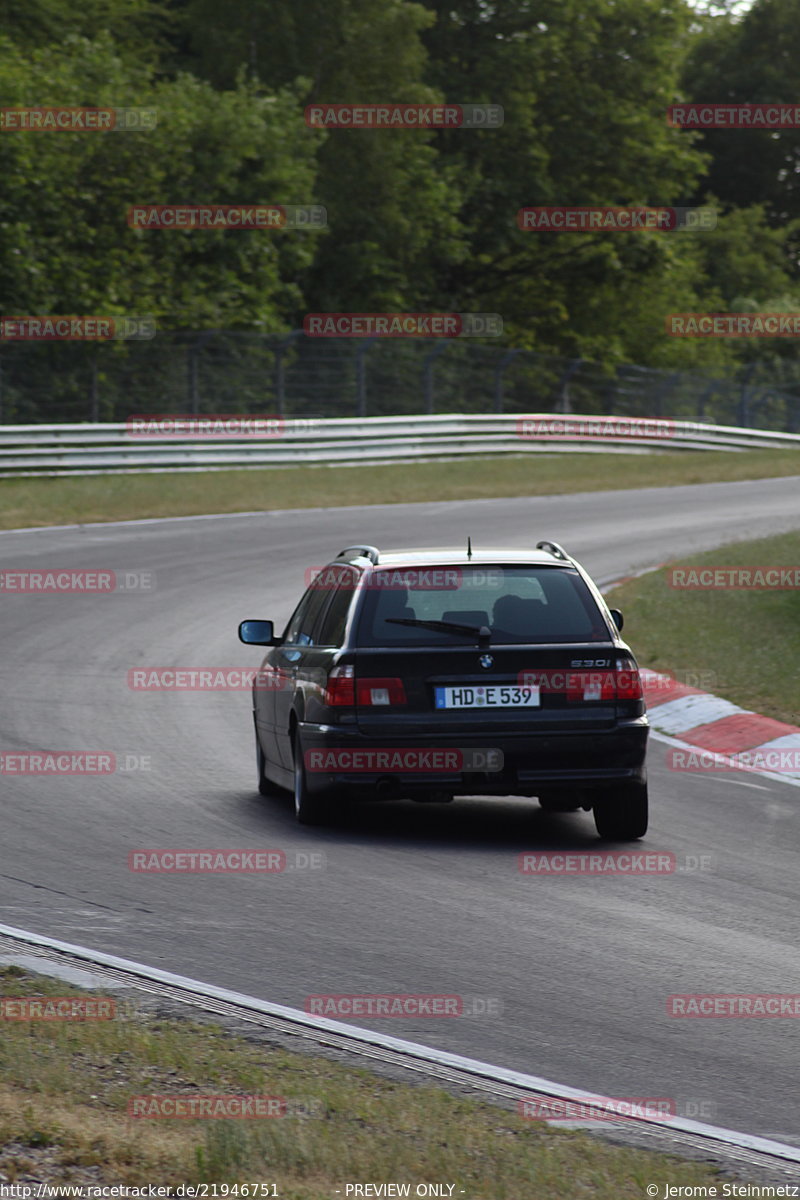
(621, 814)
(310, 809)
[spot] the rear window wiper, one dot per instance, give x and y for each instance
(478, 631)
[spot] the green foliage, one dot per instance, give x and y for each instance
(753, 60)
(136, 25)
(417, 220)
(66, 245)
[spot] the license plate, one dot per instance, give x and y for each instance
(495, 695)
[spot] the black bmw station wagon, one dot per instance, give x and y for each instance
(427, 675)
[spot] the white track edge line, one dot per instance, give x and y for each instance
(534, 1083)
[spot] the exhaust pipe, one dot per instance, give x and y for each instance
(433, 798)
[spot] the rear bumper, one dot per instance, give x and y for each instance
(345, 760)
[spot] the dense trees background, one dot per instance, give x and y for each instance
(417, 220)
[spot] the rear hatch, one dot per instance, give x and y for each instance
(535, 653)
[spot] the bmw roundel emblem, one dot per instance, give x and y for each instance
(486, 661)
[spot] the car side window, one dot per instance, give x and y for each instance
(334, 622)
(300, 630)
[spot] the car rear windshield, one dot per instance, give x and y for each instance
(519, 604)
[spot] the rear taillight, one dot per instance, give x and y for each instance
(621, 684)
(591, 685)
(341, 687)
(375, 693)
(629, 682)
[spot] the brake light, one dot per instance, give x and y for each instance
(629, 682)
(591, 685)
(374, 693)
(623, 683)
(341, 687)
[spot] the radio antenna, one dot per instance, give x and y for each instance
(469, 547)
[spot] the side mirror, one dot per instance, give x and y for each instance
(257, 633)
(617, 617)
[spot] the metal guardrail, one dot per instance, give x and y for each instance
(93, 449)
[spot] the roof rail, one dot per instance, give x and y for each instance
(370, 552)
(556, 550)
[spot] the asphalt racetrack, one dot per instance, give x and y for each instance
(574, 971)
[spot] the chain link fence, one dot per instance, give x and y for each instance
(298, 376)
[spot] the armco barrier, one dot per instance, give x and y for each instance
(102, 448)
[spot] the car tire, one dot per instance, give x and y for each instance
(310, 809)
(621, 815)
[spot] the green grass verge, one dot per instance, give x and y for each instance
(66, 1085)
(60, 501)
(741, 645)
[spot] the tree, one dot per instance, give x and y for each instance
(585, 87)
(66, 246)
(750, 60)
(391, 200)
